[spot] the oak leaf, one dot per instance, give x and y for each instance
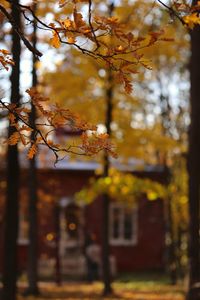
(32, 151)
(55, 40)
(14, 138)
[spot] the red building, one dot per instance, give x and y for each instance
(136, 235)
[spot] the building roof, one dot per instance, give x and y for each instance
(46, 160)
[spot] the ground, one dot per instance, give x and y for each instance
(126, 289)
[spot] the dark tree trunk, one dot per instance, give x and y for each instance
(32, 248)
(181, 252)
(170, 247)
(194, 167)
(169, 231)
(57, 246)
(172, 264)
(13, 172)
(32, 268)
(106, 200)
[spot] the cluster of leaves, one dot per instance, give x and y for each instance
(108, 40)
(122, 187)
(105, 38)
(88, 84)
(185, 11)
(191, 13)
(5, 59)
(192, 19)
(50, 119)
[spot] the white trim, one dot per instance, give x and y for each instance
(121, 241)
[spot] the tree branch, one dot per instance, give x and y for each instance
(19, 32)
(172, 11)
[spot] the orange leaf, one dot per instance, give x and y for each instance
(71, 40)
(32, 151)
(14, 138)
(55, 41)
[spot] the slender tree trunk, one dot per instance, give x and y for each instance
(57, 246)
(194, 167)
(171, 246)
(180, 253)
(106, 200)
(13, 172)
(32, 269)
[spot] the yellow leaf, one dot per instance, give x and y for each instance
(67, 23)
(192, 20)
(71, 40)
(55, 41)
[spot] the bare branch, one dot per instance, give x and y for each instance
(19, 32)
(172, 12)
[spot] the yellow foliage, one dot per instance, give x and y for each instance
(122, 187)
(192, 19)
(71, 40)
(55, 40)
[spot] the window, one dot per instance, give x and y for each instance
(123, 225)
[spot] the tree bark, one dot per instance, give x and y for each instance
(32, 269)
(13, 172)
(106, 200)
(170, 247)
(57, 245)
(194, 168)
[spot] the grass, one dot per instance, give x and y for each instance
(135, 286)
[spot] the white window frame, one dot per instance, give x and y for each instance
(121, 241)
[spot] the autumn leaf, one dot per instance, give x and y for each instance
(78, 19)
(71, 40)
(5, 59)
(12, 118)
(192, 20)
(25, 128)
(62, 3)
(55, 40)
(14, 138)
(32, 151)
(67, 23)
(23, 140)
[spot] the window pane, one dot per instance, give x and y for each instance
(116, 222)
(128, 225)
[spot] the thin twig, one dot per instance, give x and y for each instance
(172, 11)
(19, 32)
(90, 23)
